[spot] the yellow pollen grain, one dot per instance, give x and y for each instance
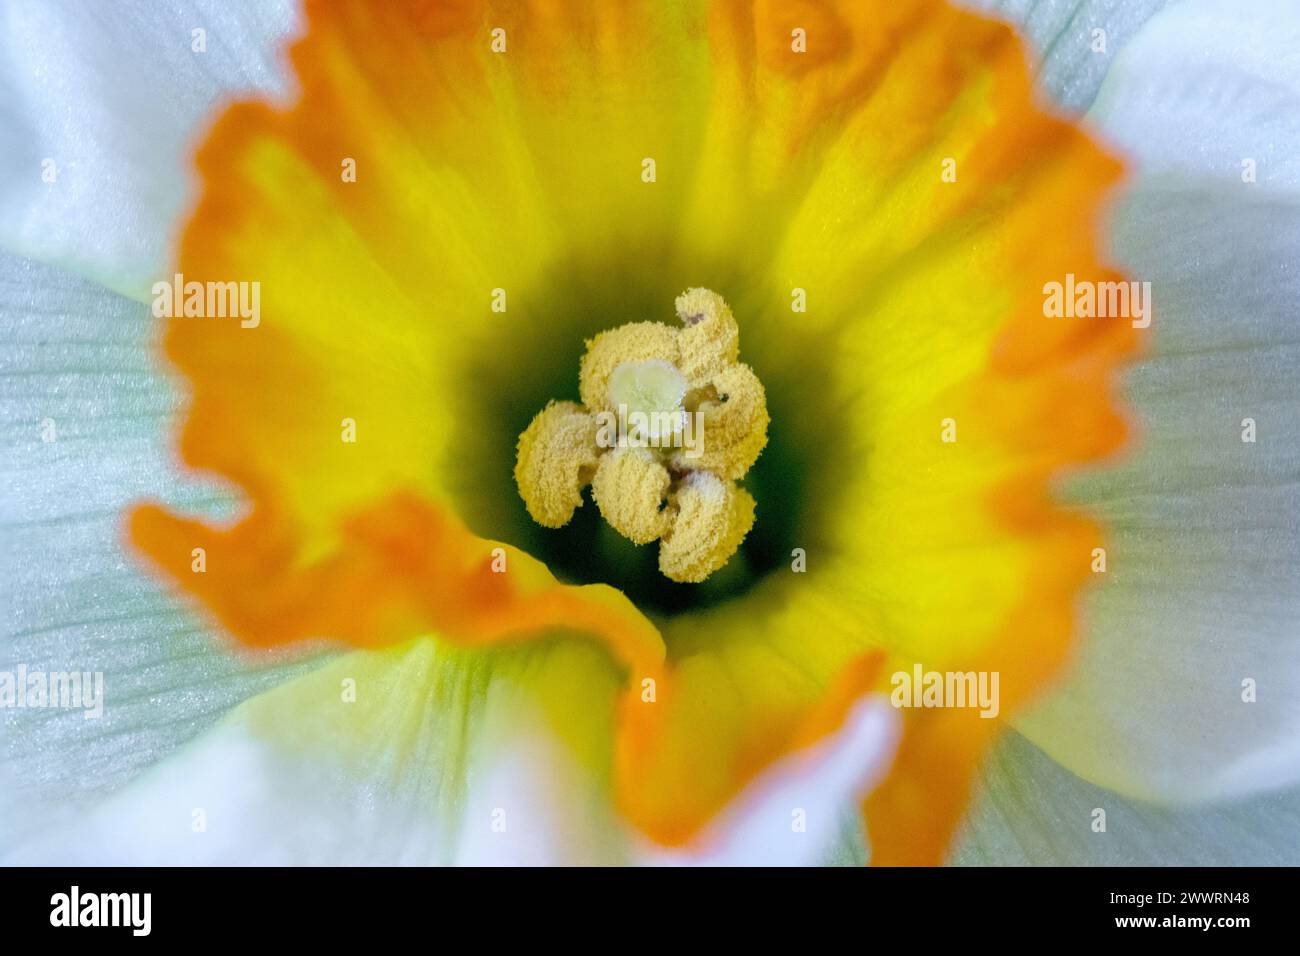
(634, 342)
(555, 459)
(629, 487)
(713, 517)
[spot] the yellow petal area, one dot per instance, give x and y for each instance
(508, 205)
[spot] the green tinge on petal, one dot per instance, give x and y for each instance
(420, 754)
(424, 726)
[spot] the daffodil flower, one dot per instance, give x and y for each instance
(460, 627)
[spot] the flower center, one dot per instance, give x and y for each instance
(648, 398)
(669, 421)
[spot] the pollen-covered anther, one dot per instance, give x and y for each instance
(713, 517)
(555, 459)
(631, 490)
(733, 414)
(710, 338)
(634, 342)
(669, 421)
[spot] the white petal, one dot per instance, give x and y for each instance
(75, 366)
(1073, 59)
(529, 803)
(115, 98)
(1202, 593)
(1029, 811)
(305, 775)
(794, 813)
(1206, 86)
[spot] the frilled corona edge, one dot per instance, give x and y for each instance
(896, 168)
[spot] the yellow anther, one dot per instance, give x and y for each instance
(555, 459)
(669, 420)
(713, 517)
(631, 490)
(634, 342)
(710, 339)
(735, 422)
